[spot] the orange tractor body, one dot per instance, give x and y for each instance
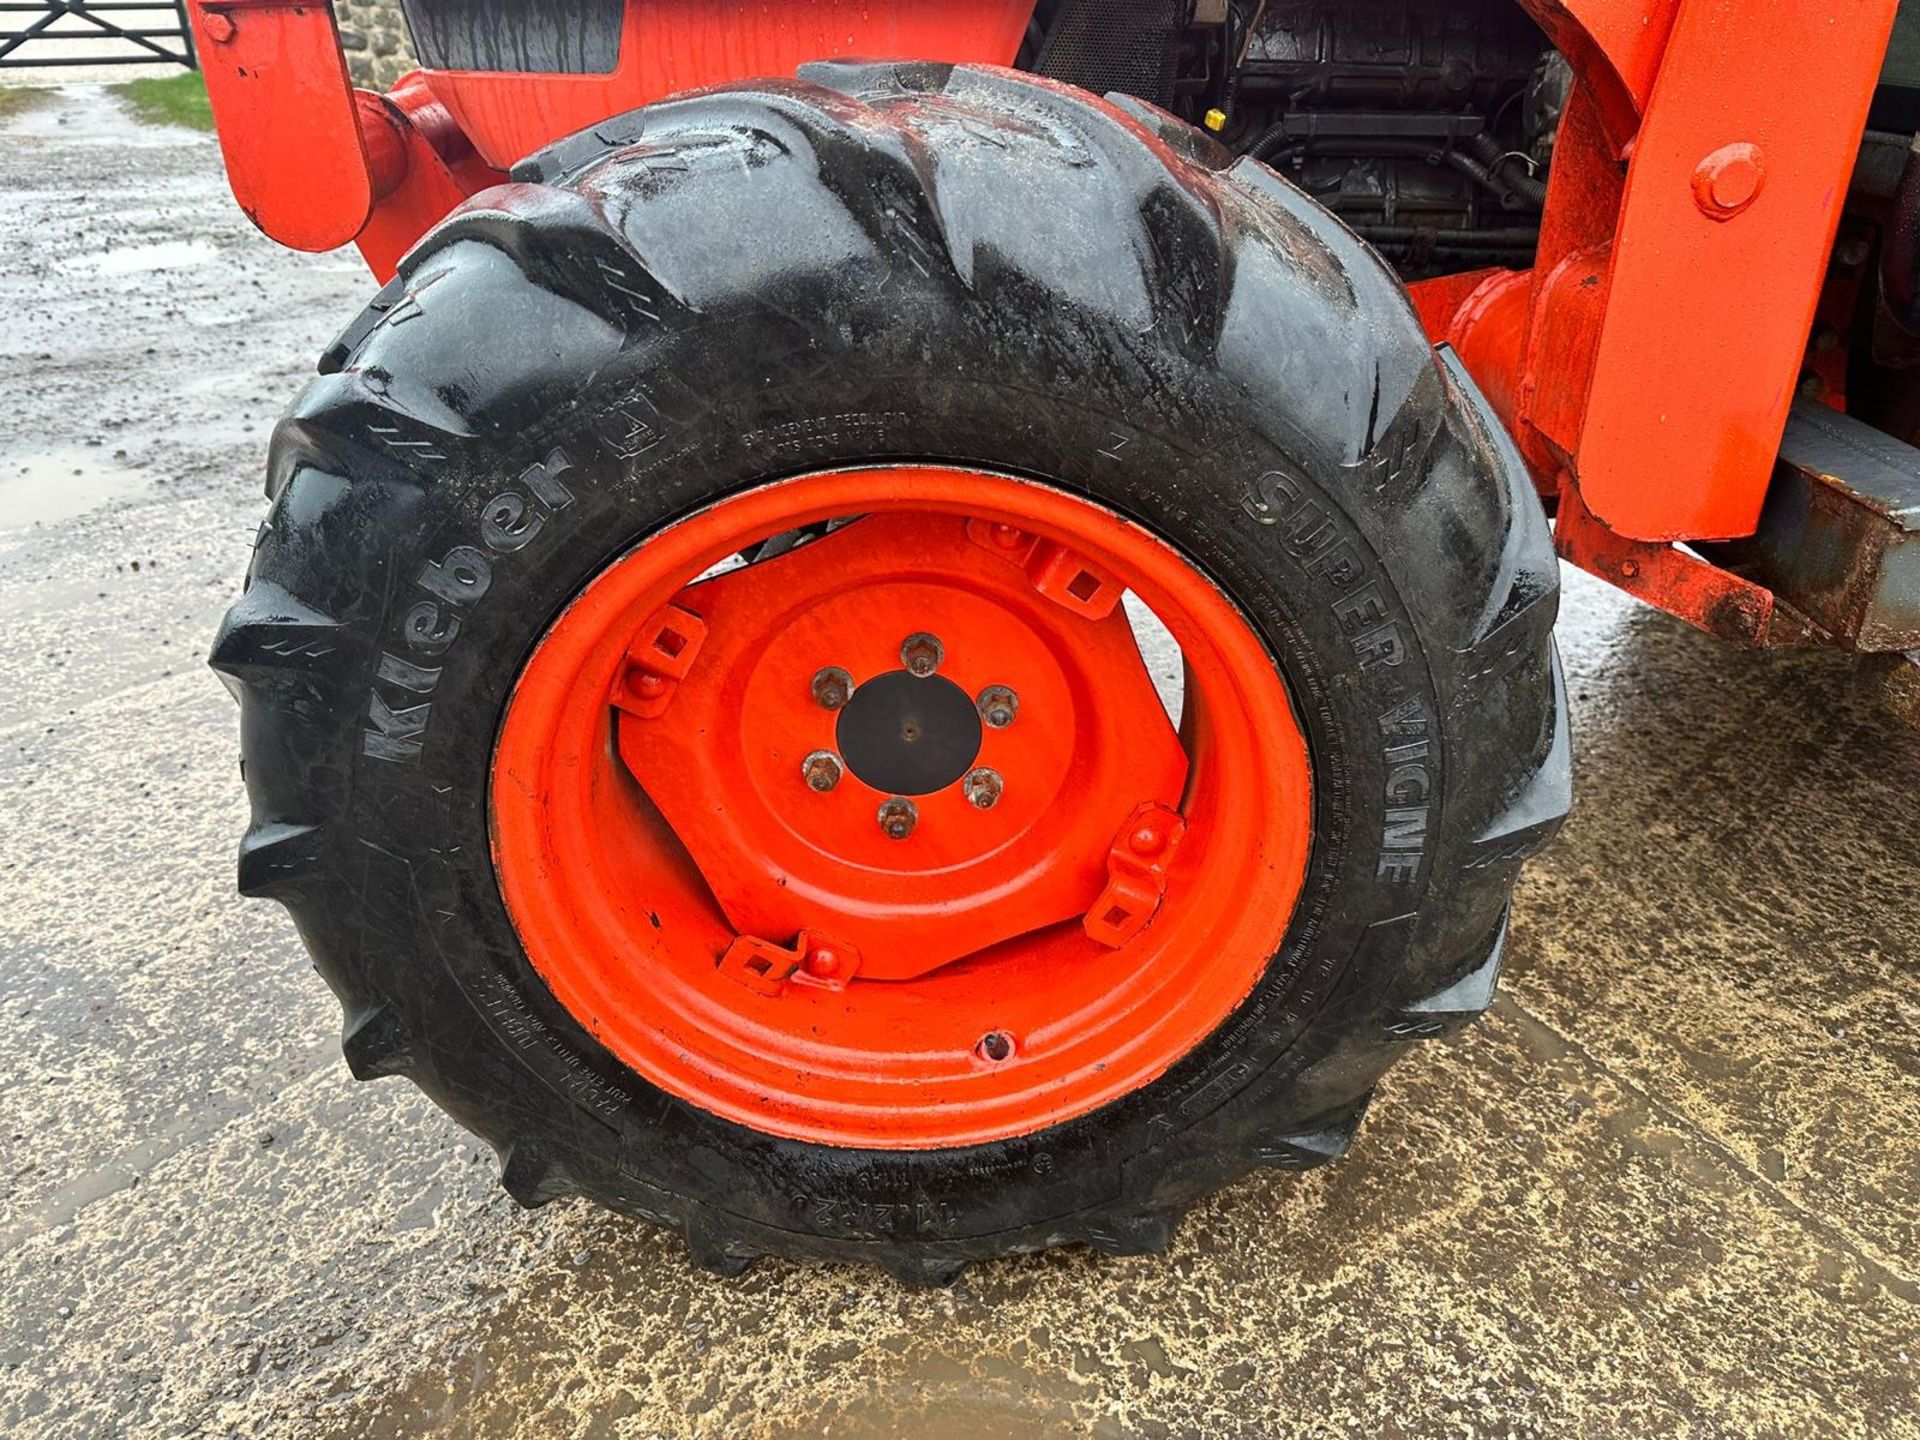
(1645, 363)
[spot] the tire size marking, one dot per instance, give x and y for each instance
(1215, 1090)
(509, 521)
(526, 1032)
(859, 428)
(861, 1218)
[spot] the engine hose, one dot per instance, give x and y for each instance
(1267, 141)
(1229, 63)
(1489, 172)
(1517, 237)
(1520, 183)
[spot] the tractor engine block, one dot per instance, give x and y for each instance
(1427, 128)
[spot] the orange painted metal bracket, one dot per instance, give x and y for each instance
(1694, 590)
(423, 167)
(765, 967)
(1646, 365)
(658, 660)
(1731, 201)
(1136, 875)
(315, 163)
(1064, 576)
(285, 111)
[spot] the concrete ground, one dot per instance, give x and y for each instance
(1668, 1187)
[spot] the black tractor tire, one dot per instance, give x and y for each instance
(874, 262)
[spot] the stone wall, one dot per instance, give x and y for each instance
(374, 35)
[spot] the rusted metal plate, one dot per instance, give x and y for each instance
(1839, 538)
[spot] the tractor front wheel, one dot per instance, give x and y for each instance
(905, 666)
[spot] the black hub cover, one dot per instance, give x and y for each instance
(907, 735)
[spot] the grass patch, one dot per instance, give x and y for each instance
(175, 100)
(18, 99)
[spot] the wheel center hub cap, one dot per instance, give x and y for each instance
(908, 734)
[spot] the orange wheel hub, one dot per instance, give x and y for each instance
(887, 839)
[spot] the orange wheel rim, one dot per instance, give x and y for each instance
(888, 841)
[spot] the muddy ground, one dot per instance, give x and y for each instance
(1668, 1187)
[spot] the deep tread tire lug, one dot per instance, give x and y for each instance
(531, 1176)
(1534, 814)
(712, 1250)
(267, 633)
(276, 856)
(1143, 1232)
(376, 1043)
(1458, 1003)
(919, 1271)
(871, 80)
(1314, 1145)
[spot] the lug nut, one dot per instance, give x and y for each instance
(982, 788)
(998, 705)
(898, 817)
(921, 653)
(822, 770)
(832, 688)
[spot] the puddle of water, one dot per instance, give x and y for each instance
(58, 486)
(139, 259)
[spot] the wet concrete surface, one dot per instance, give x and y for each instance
(1669, 1187)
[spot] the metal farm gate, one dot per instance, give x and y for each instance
(44, 33)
